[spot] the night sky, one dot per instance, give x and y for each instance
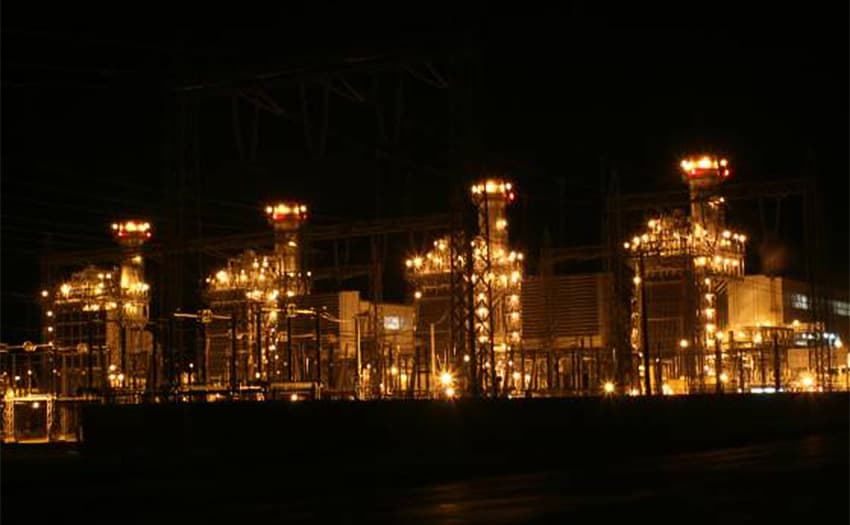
(566, 97)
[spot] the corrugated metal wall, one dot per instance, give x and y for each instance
(668, 315)
(565, 307)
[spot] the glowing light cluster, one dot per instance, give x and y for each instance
(286, 211)
(91, 289)
(131, 230)
(95, 290)
(713, 251)
(430, 272)
(436, 260)
(503, 281)
(494, 187)
(705, 166)
(256, 278)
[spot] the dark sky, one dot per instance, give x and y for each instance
(570, 94)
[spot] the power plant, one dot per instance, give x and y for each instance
(478, 321)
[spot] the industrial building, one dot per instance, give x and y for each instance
(477, 322)
(478, 280)
(265, 328)
(699, 324)
(97, 339)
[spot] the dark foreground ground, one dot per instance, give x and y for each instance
(744, 460)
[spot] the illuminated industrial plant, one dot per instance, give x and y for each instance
(96, 337)
(496, 284)
(476, 326)
(106, 310)
(253, 288)
(696, 251)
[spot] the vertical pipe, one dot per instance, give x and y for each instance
(259, 338)
(522, 366)
(739, 353)
(659, 370)
(154, 371)
(122, 332)
(51, 368)
(330, 366)
(105, 387)
(828, 365)
(643, 328)
(169, 354)
(763, 363)
(777, 378)
(391, 378)
(233, 383)
(718, 367)
(470, 297)
(90, 372)
(432, 364)
(289, 362)
(318, 347)
(202, 372)
(359, 355)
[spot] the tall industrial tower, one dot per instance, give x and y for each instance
(483, 277)
(104, 312)
(253, 288)
(287, 219)
(496, 280)
(681, 265)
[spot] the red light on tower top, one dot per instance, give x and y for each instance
(285, 212)
(706, 169)
(131, 233)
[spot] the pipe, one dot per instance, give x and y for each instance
(359, 355)
(259, 337)
(644, 330)
(718, 367)
(90, 373)
(153, 384)
(318, 347)
(289, 362)
(433, 364)
(777, 379)
(233, 382)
